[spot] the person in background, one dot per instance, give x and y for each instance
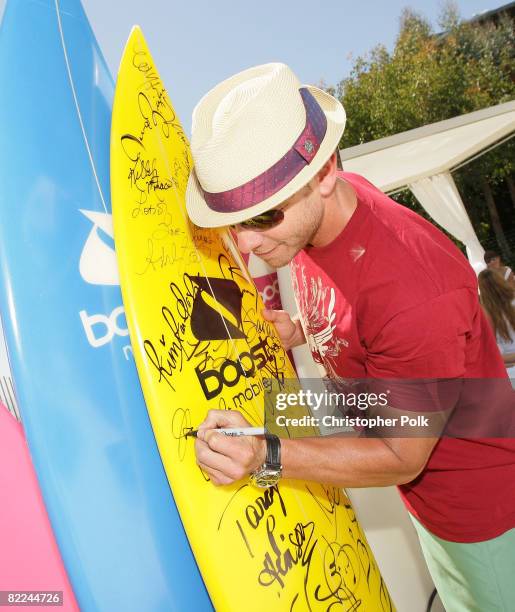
(498, 301)
(493, 262)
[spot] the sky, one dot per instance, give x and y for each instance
(198, 43)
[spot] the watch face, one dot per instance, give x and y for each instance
(266, 477)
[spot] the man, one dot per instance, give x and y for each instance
(382, 295)
(493, 262)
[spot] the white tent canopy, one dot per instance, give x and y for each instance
(422, 159)
(396, 161)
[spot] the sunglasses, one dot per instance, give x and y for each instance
(264, 221)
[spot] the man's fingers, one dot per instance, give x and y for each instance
(208, 458)
(226, 459)
(285, 326)
(235, 448)
(216, 477)
(232, 448)
(215, 419)
(219, 443)
(223, 418)
(215, 462)
(269, 315)
(276, 316)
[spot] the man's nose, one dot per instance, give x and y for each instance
(248, 240)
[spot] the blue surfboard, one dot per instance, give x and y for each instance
(95, 456)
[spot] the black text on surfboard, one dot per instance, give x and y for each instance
(249, 362)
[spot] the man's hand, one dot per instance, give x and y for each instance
(290, 332)
(226, 459)
(340, 461)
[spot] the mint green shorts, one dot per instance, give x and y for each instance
(477, 577)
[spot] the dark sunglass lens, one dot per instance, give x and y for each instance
(265, 220)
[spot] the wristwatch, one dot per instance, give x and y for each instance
(269, 473)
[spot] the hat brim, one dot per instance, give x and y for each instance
(203, 216)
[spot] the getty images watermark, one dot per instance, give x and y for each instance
(363, 401)
(474, 408)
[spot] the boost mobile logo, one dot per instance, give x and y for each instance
(216, 315)
(98, 266)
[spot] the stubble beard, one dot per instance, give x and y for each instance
(310, 228)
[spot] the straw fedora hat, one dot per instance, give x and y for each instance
(258, 138)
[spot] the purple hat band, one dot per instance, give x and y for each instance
(282, 172)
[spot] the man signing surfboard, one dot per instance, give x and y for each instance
(382, 295)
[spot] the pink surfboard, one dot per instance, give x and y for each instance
(29, 556)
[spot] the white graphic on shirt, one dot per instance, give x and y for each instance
(357, 252)
(323, 337)
(317, 308)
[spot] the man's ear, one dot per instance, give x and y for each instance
(327, 176)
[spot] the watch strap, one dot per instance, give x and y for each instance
(273, 451)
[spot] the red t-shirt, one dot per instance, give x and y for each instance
(393, 298)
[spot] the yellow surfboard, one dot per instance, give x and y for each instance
(200, 342)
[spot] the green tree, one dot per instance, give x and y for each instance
(429, 77)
